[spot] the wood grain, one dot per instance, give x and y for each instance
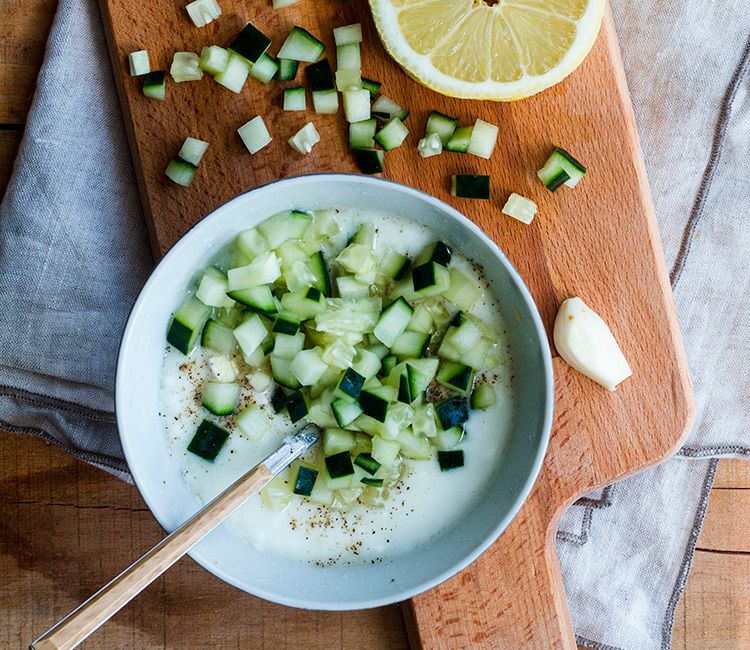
(715, 610)
(727, 522)
(583, 242)
(732, 474)
(9, 141)
(23, 35)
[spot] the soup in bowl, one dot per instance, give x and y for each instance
(378, 313)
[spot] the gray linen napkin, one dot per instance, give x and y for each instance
(73, 254)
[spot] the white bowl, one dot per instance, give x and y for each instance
(301, 584)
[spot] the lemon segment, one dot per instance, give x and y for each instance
(480, 49)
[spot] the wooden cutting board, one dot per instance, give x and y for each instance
(599, 241)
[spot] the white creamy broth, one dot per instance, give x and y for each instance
(426, 500)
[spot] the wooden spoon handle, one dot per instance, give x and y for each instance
(106, 602)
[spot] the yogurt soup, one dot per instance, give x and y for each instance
(405, 367)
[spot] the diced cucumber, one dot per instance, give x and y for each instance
(385, 451)
(348, 57)
(339, 465)
(265, 68)
(208, 440)
(181, 172)
(452, 412)
(456, 375)
(255, 135)
(337, 440)
(285, 323)
(379, 350)
(345, 411)
(305, 139)
(318, 266)
(483, 397)
(369, 161)
(374, 404)
(470, 186)
(430, 279)
(212, 290)
(367, 463)
(260, 380)
(301, 45)
(325, 102)
(423, 423)
(264, 269)
(285, 225)
(304, 482)
(356, 105)
(450, 459)
(372, 87)
(304, 303)
(258, 299)
(214, 59)
(319, 75)
(347, 34)
(296, 406)
(438, 252)
(139, 63)
(251, 243)
(459, 141)
(449, 439)
(349, 287)
(392, 134)
(235, 74)
(412, 446)
(441, 125)
(155, 85)
(410, 345)
(393, 322)
(278, 400)
(250, 334)
(349, 80)
(287, 69)
(192, 150)
(388, 363)
(384, 108)
(366, 363)
(393, 265)
(463, 292)
(430, 145)
(185, 67)
(187, 324)
(221, 399)
(282, 372)
(202, 12)
(218, 337)
(421, 320)
(483, 139)
(561, 168)
(308, 366)
(339, 354)
(520, 208)
(372, 482)
(350, 385)
(253, 422)
(250, 43)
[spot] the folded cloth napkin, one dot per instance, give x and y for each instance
(73, 255)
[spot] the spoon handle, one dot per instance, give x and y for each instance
(106, 602)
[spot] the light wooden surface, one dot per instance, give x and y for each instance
(582, 242)
(95, 524)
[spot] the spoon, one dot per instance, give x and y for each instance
(106, 602)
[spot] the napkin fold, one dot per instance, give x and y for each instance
(74, 254)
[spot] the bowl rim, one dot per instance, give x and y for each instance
(398, 595)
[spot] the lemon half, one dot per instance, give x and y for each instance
(482, 49)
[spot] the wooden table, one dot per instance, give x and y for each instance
(65, 527)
